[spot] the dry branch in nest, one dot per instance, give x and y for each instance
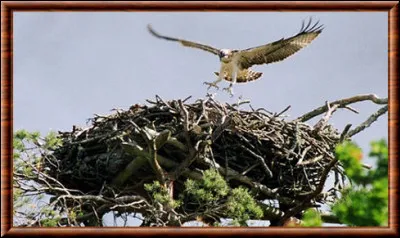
(171, 141)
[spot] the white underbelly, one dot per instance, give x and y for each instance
(227, 69)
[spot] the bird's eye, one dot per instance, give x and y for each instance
(222, 54)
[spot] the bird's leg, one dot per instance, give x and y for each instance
(229, 89)
(214, 84)
(234, 79)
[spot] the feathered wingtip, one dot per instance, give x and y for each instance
(308, 29)
(158, 35)
(151, 30)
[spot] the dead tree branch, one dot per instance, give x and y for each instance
(368, 122)
(342, 104)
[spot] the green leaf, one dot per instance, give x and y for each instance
(311, 218)
(367, 205)
(350, 156)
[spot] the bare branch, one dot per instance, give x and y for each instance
(322, 123)
(342, 103)
(345, 132)
(284, 110)
(368, 122)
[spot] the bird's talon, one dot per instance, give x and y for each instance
(211, 85)
(229, 90)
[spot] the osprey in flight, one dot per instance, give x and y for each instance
(236, 64)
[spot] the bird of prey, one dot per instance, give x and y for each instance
(236, 64)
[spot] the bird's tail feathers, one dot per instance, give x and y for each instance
(243, 76)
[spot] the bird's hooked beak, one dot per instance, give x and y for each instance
(225, 54)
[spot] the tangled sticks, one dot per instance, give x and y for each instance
(171, 141)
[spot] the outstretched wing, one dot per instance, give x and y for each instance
(184, 42)
(279, 50)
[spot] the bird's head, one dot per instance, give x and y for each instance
(225, 55)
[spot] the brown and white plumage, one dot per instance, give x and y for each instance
(236, 64)
(184, 42)
(243, 76)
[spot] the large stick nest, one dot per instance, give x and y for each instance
(175, 140)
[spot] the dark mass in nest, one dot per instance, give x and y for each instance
(176, 140)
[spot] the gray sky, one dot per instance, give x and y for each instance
(69, 65)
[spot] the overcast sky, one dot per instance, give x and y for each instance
(69, 65)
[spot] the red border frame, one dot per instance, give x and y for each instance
(7, 8)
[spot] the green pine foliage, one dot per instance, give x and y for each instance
(209, 190)
(214, 194)
(242, 206)
(28, 148)
(160, 194)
